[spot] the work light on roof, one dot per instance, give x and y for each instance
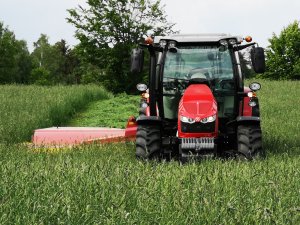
(163, 43)
(232, 41)
(172, 44)
(223, 42)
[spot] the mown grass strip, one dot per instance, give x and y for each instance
(113, 112)
(25, 108)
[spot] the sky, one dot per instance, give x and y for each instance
(257, 18)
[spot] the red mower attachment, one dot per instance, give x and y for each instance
(70, 136)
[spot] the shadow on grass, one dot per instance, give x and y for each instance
(281, 145)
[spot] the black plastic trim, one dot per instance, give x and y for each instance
(248, 119)
(149, 120)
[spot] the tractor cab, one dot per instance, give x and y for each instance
(196, 100)
(209, 64)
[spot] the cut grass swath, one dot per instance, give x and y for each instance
(25, 108)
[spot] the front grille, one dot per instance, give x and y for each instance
(198, 127)
(197, 143)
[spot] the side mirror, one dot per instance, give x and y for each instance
(137, 60)
(258, 60)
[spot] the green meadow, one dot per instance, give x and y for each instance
(105, 184)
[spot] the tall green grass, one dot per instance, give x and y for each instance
(105, 184)
(25, 108)
(280, 114)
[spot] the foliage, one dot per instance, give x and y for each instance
(91, 74)
(283, 54)
(58, 60)
(25, 108)
(15, 64)
(108, 30)
(40, 76)
(105, 184)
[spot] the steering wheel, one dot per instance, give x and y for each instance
(175, 85)
(226, 84)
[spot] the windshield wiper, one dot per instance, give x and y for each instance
(175, 78)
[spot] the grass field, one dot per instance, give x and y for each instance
(107, 185)
(112, 112)
(25, 108)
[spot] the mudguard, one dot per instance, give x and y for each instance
(149, 120)
(248, 119)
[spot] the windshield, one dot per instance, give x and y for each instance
(190, 62)
(195, 62)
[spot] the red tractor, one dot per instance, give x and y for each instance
(196, 104)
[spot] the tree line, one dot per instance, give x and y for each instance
(46, 65)
(107, 30)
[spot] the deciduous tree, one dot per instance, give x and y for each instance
(283, 54)
(15, 64)
(107, 31)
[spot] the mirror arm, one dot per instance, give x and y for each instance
(152, 49)
(241, 47)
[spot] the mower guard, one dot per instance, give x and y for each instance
(70, 136)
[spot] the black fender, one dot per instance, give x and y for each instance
(149, 120)
(243, 120)
(247, 120)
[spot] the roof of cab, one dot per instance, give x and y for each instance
(185, 38)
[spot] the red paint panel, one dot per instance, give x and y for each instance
(197, 103)
(247, 110)
(61, 136)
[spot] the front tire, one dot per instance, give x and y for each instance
(249, 142)
(148, 142)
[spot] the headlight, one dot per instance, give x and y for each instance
(208, 119)
(255, 86)
(141, 87)
(185, 119)
(252, 103)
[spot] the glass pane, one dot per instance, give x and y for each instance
(198, 62)
(191, 62)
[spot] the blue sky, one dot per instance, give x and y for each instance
(258, 18)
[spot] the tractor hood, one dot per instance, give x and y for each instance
(197, 102)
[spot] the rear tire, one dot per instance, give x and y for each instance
(249, 142)
(148, 142)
